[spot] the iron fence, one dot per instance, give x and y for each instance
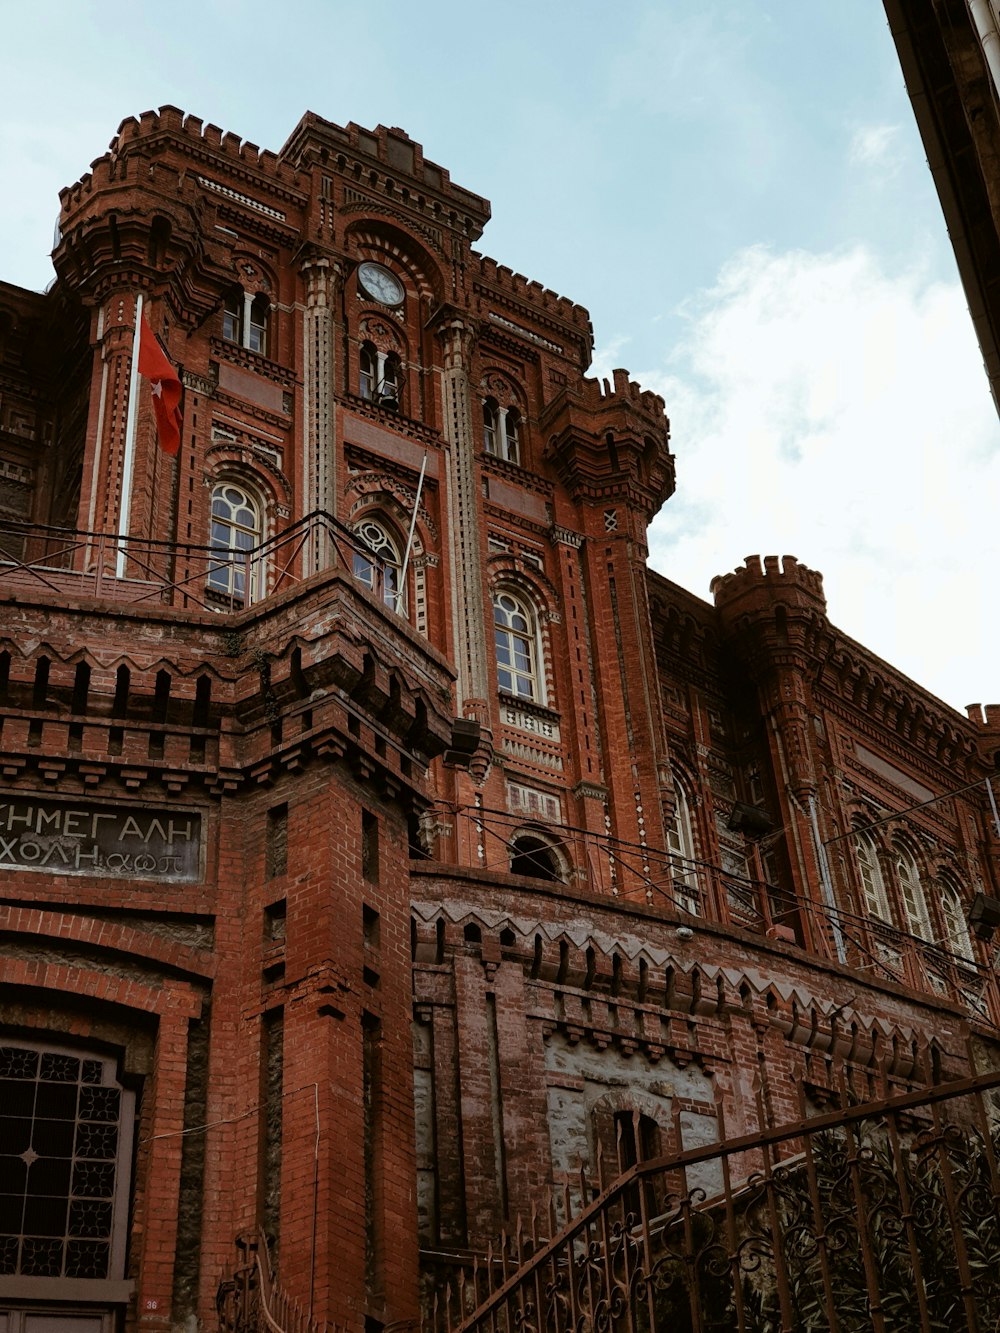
(251, 1300)
(880, 1216)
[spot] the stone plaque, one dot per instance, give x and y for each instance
(86, 838)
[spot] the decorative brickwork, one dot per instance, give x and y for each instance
(388, 912)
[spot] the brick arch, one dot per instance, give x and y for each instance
(176, 1000)
(111, 937)
(385, 242)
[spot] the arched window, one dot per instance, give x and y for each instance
(235, 532)
(876, 900)
(245, 319)
(532, 855)
(680, 843)
(918, 921)
(516, 636)
(65, 1160)
(501, 431)
(380, 377)
(380, 572)
(953, 912)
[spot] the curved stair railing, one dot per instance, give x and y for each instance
(883, 1215)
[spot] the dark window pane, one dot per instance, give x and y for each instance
(13, 1175)
(99, 1103)
(97, 1141)
(15, 1133)
(56, 1101)
(41, 1258)
(94, 1180)
(16, 1062)
(53, 1138)
(16, 1099)
(49, 1175)
(45, 1217)
(89, 1217)
(11, 1212)
(9, 1246)
(92, 1070)
(59, 1068)
(87, 1258)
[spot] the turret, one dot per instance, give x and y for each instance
(611, 443)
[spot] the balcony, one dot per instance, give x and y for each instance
(71, 564)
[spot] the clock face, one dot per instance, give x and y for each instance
(381, 284)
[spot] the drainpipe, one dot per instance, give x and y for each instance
(985, 19)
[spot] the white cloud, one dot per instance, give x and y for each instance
(823, 408)
(875, 146)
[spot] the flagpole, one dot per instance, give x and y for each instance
(401, 590)
(125, 510)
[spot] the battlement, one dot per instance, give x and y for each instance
(170, 120)
(395, 157)
(775, 576)
(504, 279)
(986, 716)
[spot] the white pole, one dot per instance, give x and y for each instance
(133, 409)
(400, 591)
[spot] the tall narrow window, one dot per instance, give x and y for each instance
(379, 571)
(512, 434)
(953, 912)
(516, 646)
(918, 921)
(501, 431)
(491, 426)
(680, 843)
(235, 533)
(876, 900)
(232, 317)
(260, 312)
(369, 371)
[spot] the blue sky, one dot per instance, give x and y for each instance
(737, 193)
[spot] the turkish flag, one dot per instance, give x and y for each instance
(165, 387)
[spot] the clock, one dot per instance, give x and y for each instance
(379, 283)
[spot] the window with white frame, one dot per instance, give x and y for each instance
(66, 1126)
(246, 319)
(873, 890)
(680, 844)
(381, 570)
(380, 376)
(234, 535)
(516, 637)
(918, 921)
(501, 431)
(953, 914)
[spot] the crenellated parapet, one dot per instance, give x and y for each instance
(151, 214)
(986, 720)
(515, 305)
(611, 442)
(763, 583)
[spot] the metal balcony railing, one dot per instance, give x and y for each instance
(71, 563)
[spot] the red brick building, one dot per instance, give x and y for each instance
(380, 839)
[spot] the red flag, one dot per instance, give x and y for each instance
(166, 388)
